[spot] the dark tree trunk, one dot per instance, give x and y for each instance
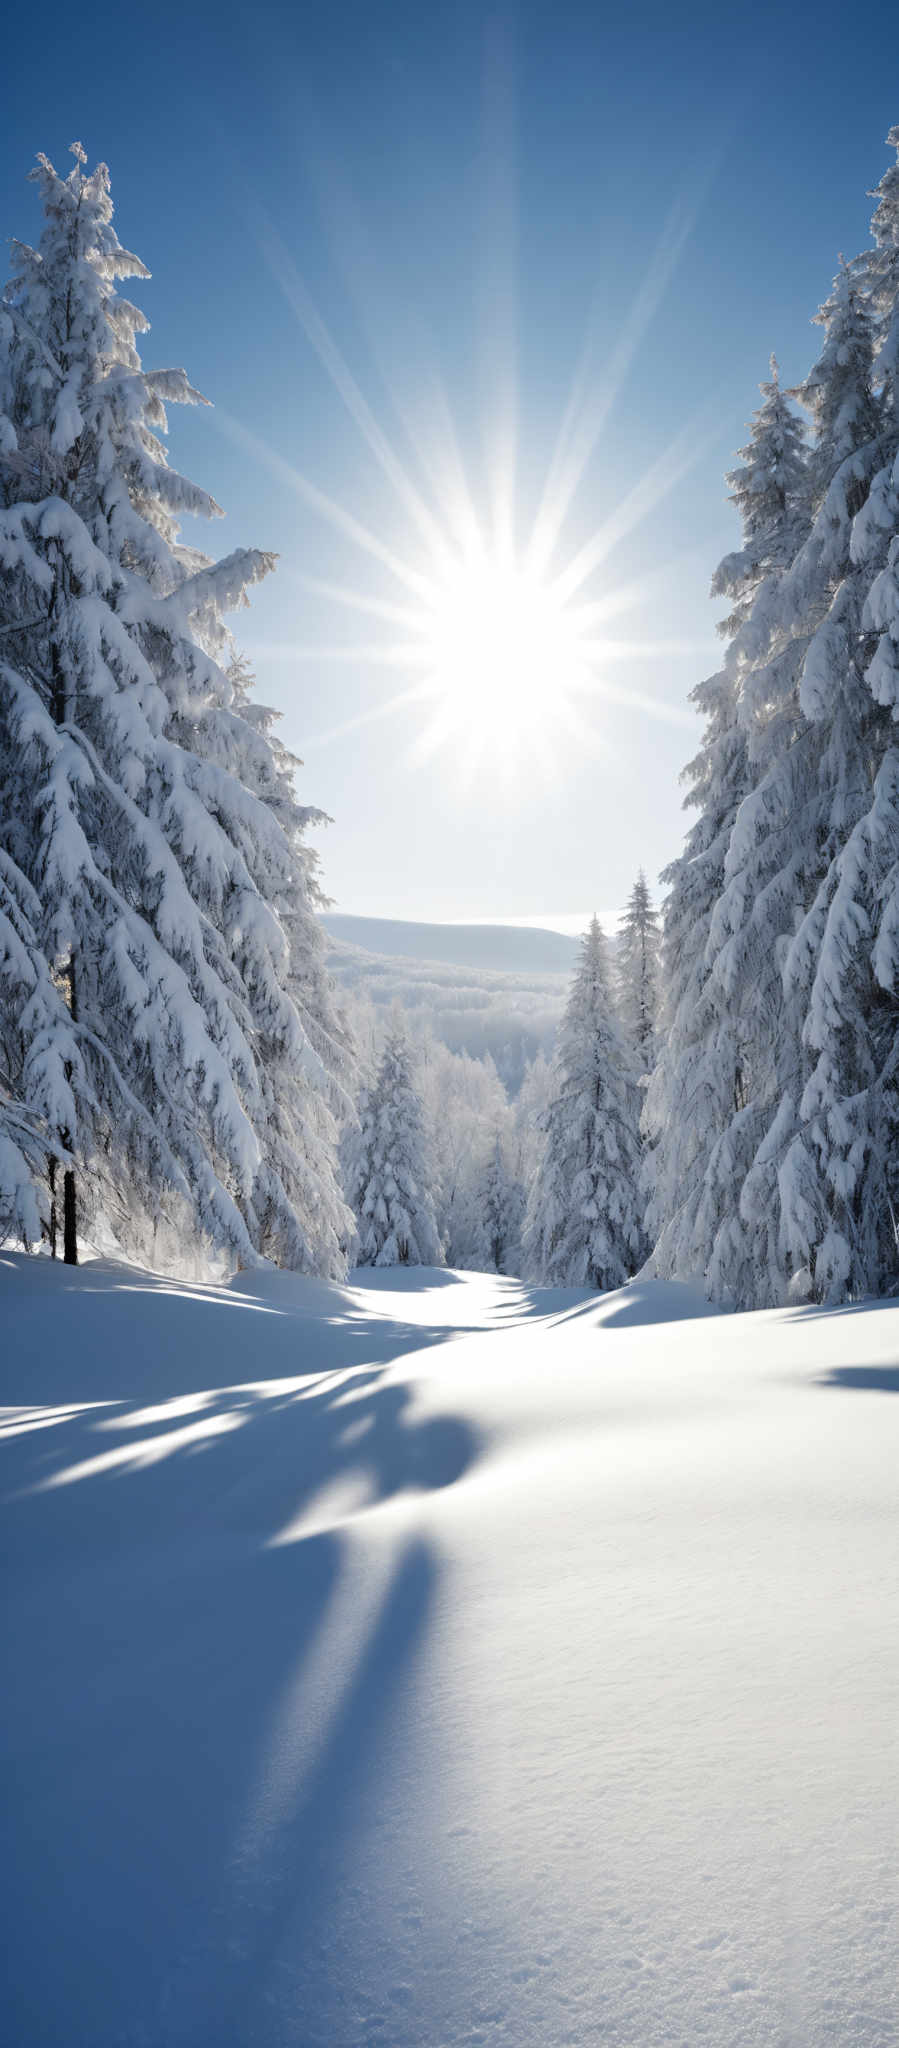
(69, 1219)
(69, 1198)
(59, 709)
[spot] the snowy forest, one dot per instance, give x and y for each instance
(180, 1081)
(449, 1027)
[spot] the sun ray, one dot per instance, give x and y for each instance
(429, 427)
(450, 473)
(638, 700)
(358, 601)
(498, 282)
(659, 480)
(510, 663)
(345, 522)
(590, 403)
(648, 650)
(637, 592)
(431, 737)
(392, 655)
(302, 304)
(373, 716)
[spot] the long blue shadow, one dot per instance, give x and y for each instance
(151, 1629)
(293, 1934)
(161, 1340)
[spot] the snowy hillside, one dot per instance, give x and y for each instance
(484, 990)
(433, 1662)
(497, 948)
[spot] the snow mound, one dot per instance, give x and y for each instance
(653, 1301)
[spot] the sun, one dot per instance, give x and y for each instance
(503, 656)
(500, 629)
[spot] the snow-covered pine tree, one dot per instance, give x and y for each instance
(583, 1225)
(390, 1173)
(170, 894)
(531, 1105)
(637, 973)
(804, 774)
(811, 887)
(501, 1207)
(770, 491)
(774, 859)
(306, 1104)
(700, 1082)
(464, 1099)
(36, 1045)
(836, 1153)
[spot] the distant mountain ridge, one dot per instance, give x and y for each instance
(496, 990)
(497, 948)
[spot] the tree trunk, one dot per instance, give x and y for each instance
(59, 709)
(69, 1198)
(69, 1219)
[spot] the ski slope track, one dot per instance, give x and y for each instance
(431, 1661)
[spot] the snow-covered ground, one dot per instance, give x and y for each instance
(429, 1661)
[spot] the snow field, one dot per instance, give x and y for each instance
(433, 1661)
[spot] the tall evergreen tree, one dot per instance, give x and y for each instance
(192, 1051)
(501, 1206)
(464, 1101)
(808, 775)
(35, 1034)
(637, 973)
(700, 1081)
(777, 846)
(583, 1222)
(532, 1103)
(390, 1171)
(800, 1189)
(838, 1155)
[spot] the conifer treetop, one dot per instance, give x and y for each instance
(583, 1226)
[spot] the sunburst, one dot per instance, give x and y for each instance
(504, 649)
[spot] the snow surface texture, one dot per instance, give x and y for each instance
(432, 1661)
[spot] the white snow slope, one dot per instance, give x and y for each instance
(425, 1662)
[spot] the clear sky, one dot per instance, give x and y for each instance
(396, 244)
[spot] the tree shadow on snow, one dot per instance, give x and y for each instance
(637, 1304)
(404, 1279)
(203, 1668)
(539, 1304)
(232, 1335)
(868, 1307)
(880, 1379)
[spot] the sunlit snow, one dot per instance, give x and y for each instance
(431, 1661)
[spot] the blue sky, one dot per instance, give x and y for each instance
(466, 198)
